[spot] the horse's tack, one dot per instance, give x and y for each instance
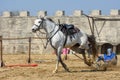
(68, 30)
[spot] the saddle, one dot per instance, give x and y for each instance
(68, 29)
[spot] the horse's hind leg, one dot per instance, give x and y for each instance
(85, 59)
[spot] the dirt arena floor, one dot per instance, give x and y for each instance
(46, 64)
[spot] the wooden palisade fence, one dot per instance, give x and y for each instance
(29, 49)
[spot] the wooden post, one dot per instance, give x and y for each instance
(93, 26)
(29, 58)
(1, 53)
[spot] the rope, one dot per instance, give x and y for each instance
(78, 56)
(41, 40)
(21, 38)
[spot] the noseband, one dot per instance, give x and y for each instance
(41, 24)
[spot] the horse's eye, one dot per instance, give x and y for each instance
(39, 22)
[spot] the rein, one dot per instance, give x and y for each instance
(42, 32)
(48, 38)
(45, 46)
(41, 40)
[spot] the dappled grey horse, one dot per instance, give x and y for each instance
(78, 42)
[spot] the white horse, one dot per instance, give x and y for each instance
(78, 42)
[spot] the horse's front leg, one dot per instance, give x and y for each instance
(57, 63)
(56, 67)
(58, 53)
(64, 65)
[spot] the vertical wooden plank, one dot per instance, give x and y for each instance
(1, 53)
(29, 58)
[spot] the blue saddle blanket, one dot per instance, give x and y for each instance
(109, 57)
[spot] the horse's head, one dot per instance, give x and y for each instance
(38, 24)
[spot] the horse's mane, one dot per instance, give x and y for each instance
(50, 19)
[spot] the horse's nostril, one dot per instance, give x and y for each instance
(33, 30)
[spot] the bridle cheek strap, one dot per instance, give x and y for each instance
(39, 25)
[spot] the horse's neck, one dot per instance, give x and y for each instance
(50, 28)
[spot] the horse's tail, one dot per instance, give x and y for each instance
(93, 45)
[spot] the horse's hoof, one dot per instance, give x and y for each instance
(89, 64)
(67, 70)
(55, 71)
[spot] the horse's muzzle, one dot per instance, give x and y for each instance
(33, 30)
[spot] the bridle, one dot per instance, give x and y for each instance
(38, 34)
(41, 24)
(48, 38)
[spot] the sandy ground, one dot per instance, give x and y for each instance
(46, 64)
